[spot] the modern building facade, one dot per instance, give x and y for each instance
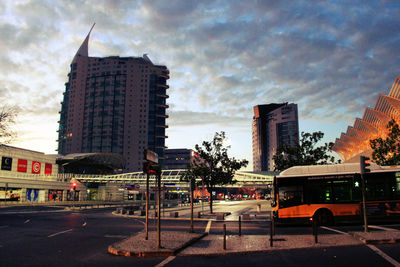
(178, 158)
(31, 176)
(114, 105)
(273, 125)
(355, 141)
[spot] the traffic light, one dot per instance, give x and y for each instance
(74, 184)
(364, 164)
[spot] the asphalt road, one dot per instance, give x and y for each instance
(50, 236)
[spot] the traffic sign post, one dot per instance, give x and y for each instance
(159, 211)
(147, 206)
(192, 188)
(364, 163)
(150, 166)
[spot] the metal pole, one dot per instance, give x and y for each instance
(240, 225)
(364, 206)
(271, 237)
(5, 194)
(191, 210)
(159, 211)
(202, 194)
(315, 230)
(147, 207)
(224, 236)
(273, 225)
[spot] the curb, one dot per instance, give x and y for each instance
(147, 254)
(376, 241)
(187, 218)
(380, 242)
(139, 254)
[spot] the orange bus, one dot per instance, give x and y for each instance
(332, 193)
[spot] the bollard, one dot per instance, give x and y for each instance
(273, 226)
(271, 237)
(240, 225)
(224, 236)
(315, 230)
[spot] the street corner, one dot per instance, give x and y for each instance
(378, 237)
(171, 243)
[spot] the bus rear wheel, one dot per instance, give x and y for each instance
(323, 217)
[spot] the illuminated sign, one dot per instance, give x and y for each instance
(22, 165)
(36, 167)
(48, 168)
(6, 163)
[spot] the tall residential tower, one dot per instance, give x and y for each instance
(273, 125)
(114, 105)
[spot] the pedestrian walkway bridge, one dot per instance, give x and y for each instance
(243, 178)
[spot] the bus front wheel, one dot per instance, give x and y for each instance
(323, 217)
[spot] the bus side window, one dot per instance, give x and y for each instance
(290, 196)
(320, 191)
(342, 190)
(396, 189)
(375, 188)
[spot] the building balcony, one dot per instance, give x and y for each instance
(163, 95)
(162, 106)
(162, 116)
(165, 76)
(162, 126)
(163, 85)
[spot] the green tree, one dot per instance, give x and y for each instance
(307, 152)
(7, 118)
(214, 166)
(386, 151)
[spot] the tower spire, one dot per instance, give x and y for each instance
(84, 49)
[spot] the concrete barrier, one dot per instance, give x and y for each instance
(220, 216)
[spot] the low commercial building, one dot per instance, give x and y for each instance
(31, 176)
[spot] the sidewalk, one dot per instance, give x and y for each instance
(184, 243)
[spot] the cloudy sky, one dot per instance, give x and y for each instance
(332, 58)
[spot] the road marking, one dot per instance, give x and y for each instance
(384, 255)
(166, 261)
(171, 258)
(59, 233)
(383, 228)
(375, 249)
(208, 227)
(334, 230)
(139, 221)
(115, 236)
